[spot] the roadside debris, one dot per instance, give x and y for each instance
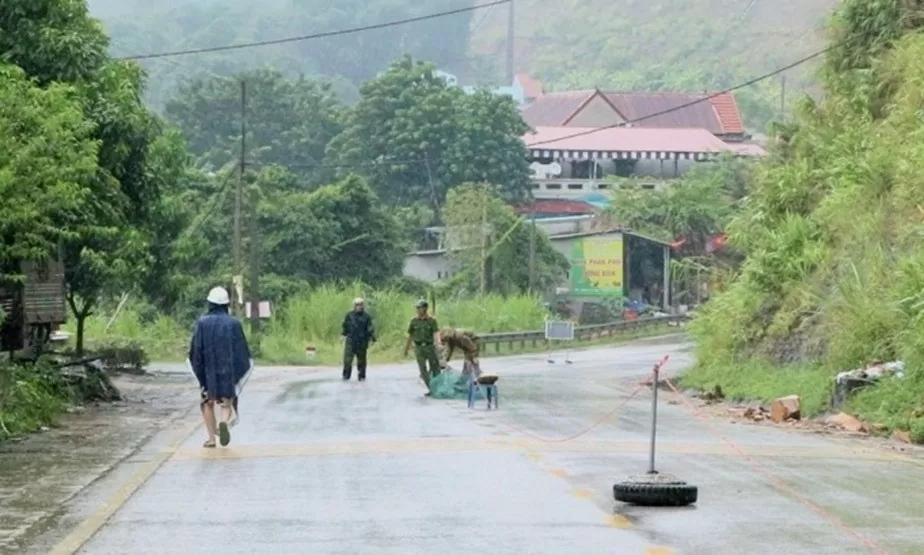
(847, 422)
(757, 414)
(902, 436)
(716, 395)
(845, 383)
(786, 408)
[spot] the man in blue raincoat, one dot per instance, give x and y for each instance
(220, 358)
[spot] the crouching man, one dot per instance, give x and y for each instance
(465, 341)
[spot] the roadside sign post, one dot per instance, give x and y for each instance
(559, 331)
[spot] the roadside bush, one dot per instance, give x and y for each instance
(129, 357)
(834, 270)
(31, 397)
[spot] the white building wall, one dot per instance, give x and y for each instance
(429, 267)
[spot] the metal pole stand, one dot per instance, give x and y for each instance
(559, 331)
(654, 489)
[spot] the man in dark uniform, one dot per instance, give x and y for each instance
(357, 333)
(423, 331)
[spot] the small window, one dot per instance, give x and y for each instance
(575, 186)
(553, 186)
(439, 275)
(648, 186)
(537, 186)
(603, 186)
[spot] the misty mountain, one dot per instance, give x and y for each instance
(622, 45)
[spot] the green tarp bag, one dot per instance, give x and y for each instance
(448, 385)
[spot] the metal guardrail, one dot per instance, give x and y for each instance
(581, 333)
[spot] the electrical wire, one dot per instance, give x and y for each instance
(315, 35)
(706, 98)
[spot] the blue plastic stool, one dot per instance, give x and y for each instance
(489, 389)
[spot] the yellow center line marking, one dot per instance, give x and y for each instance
(558, 473)
(659, 551)
(91, 525)
(500, 444)
(618, 521)
(583, 493)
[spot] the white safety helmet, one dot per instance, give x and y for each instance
(358, 300)
(219, 296)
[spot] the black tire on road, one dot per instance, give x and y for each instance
(656, 495)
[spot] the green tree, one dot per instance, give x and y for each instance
(289, 122)
(52, 40)
(693, 208)
(415, 137)
(106, 250)
(48, 157)
(486, 237)
(338, 232)
(341, 232)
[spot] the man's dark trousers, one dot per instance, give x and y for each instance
(354, 349)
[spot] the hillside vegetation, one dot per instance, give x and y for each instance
(626, 45)
(833, 275)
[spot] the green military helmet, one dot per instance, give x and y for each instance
(421, 303)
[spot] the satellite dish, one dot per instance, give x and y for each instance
(554, 169)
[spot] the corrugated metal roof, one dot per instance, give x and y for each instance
(625, 139)
(718, 115)
(636, 106)
(554, 109)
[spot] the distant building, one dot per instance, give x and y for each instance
(523, 90)
(531, 87)
(717, 114)
(606, 261)
(574, 162)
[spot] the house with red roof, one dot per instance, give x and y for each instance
(531, 87)
(717, 113)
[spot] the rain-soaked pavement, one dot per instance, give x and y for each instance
(320, 466)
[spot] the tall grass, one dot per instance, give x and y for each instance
(314, 318)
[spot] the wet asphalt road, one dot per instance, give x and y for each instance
(320, 466)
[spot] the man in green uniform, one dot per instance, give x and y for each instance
(423, 331)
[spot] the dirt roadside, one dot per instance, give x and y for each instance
(42, 472)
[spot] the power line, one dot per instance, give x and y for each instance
(316, 35)
(396, 162)
(215, 200)
(694, 102)
(682, 106)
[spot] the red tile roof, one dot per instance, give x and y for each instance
(625, 139)
(727, 110)
(556, 206)
(532, 88)
(719, 115)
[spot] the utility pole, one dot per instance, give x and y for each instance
(532, 248)
(510, 32)
(255, 253)
(484, 241)
(237, 278)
